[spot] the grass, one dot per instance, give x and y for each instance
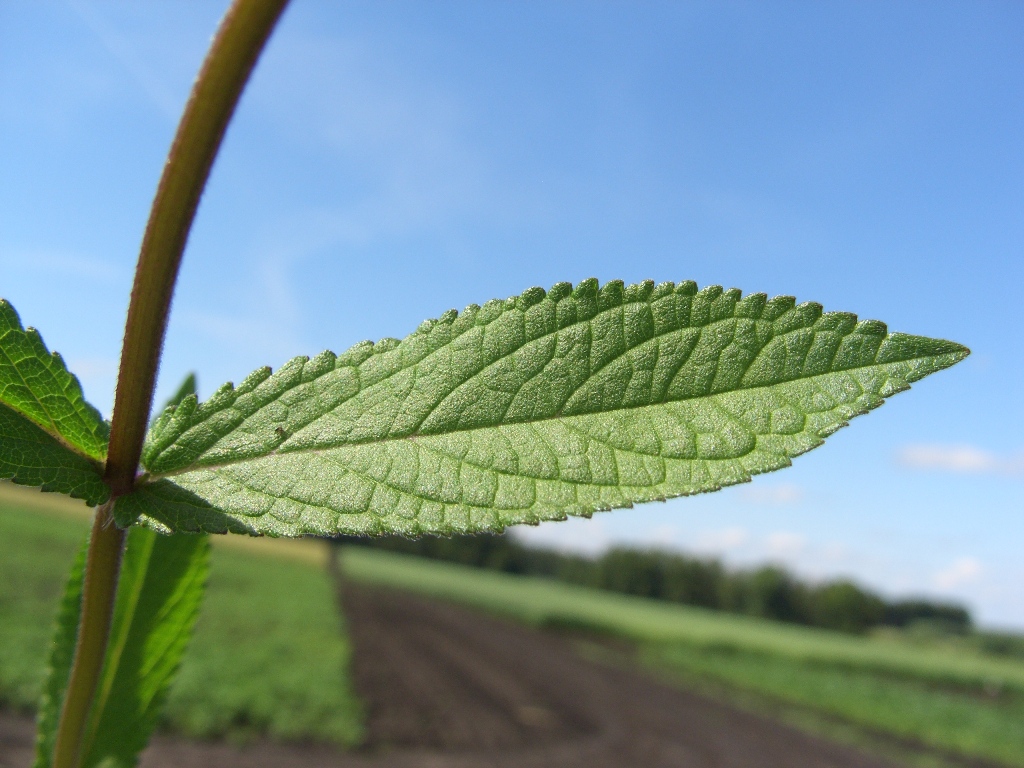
(952, 700)
(268, 657)
(914, 709)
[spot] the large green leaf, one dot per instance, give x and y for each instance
(35, 383)
(534, 408)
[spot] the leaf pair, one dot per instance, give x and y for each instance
(547, 404)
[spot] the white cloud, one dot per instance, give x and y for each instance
(578, 535)
(785, 544)
(964, 570)
(723, 540)
(666, 534)
(959, 459)
(775, 495)
(63, 264)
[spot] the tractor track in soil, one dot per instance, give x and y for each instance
(448, 687)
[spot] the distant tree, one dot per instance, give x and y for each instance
(954, 618)
(692, 581)
(772, 593)
(632, 572)
(844, 606)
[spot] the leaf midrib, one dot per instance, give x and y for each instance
(147, 478)
(701, 330)
(57, 437)
(52, 430)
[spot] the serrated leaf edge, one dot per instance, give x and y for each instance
(612, 294)
(36, 340)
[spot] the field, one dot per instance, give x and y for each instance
(271, 656)
(954, 701)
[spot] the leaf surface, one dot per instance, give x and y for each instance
(31, 456)
(544, 405)
(35, 383)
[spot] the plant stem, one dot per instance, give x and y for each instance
(101, 571)
(240, 39)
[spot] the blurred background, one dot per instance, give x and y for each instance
(391, 160)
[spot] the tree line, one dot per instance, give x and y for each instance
(769, 592)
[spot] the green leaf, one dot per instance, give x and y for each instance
(30, 456)
(158, 597)
(62, 654)
(49, 435)
(186, 388)
(35, 383)
(534, 408)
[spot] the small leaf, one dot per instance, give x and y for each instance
(544, 405)
(158, 597)
(62, 654)
(31, 456)
(186, 388)
(36, 384)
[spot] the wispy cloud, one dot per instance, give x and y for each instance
(959, 459)
(964, 570)
(120, 48)
(586, 537)
(782, 494)
(785, 544)
(722, 540)
(62, 264)
(265, 334)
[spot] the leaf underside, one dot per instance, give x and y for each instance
(49, 435)
(544, 405)
(31, 456)
(35, 383)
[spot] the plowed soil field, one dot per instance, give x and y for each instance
(445, 686)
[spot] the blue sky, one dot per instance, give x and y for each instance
(391, 160)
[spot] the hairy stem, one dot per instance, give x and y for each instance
(101, 571)
(236, 47)
(241, 37)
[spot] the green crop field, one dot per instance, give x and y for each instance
(269, 654)
(273, 600)
(964, 702)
